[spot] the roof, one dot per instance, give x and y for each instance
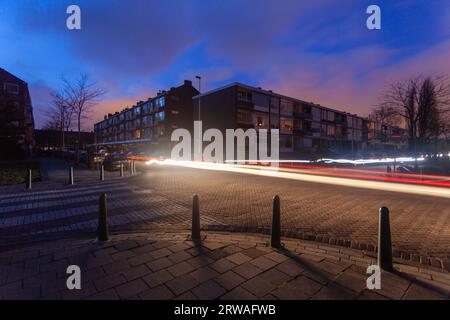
(7, 76)
(269, 92)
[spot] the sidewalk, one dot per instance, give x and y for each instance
(224, 266)
(55, 175)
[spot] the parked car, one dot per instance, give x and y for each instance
(113, 163)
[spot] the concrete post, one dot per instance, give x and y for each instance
(131, 167)
(71, 176)
(102, 173)
(196, 219)
(102, 232)
(29, 180)
(134, 167)
(384, 241)
(121, 169)
(276, 224)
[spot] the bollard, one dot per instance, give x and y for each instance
(195, 219)
(29, 180)
(131, 167)
(102, 173)
(134, 167)
(121, 169)
(384, 241)
(71, 176)
(102, 232)
(276, 224)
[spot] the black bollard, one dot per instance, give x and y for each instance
(71, 176)
(195, 219)
(29, 180)
(276, 224)
(384, 241)
(121, 169)
(102, 173)
(102, 232)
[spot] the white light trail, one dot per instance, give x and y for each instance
(276, 173)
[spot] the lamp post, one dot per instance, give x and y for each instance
(199, 98)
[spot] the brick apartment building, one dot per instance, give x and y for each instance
(16, 118)
(305, 127)
(148, 125)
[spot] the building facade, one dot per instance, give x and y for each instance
(51, 140)
(147, 126)
(305, 128)
(16, 117)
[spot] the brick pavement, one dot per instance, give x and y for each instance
(345, 216)
(161, 198)
(228, 266)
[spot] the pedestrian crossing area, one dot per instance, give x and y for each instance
(75, 208)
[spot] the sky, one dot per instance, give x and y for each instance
(319, 51)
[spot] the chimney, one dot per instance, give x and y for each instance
(188, 83)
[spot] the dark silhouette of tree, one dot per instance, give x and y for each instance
(81, 96)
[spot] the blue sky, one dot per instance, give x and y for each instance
(318, 51)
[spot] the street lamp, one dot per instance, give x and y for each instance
(200, 92)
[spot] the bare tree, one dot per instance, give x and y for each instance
(81, 95)
(62, 113)
(423, 104)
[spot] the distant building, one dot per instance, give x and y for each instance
(16, 118)
(148, 125)
(51, 140)
(305, 128)
(382, 137)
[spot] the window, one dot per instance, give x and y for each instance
(274, 104)
(159, 116)
(286, 107)
(286, 125)
(244, 117)
(274, 121)
(261, 101)
(11, 88)
(316, 113)
(244, 96)
(160, 102)
(262, 121)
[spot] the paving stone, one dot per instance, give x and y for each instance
(109, 281)
(222, 265)
(263, 263)
(291, 268)
(200, 261)
(208, 290)
(352, 280)
(239, 258)
(157, 278)
(136, 272)
(371, 295)
(163, 252)
(247, 270)
(417, 292)
(204, 274)
(186, 296)
(275, 277)
(289, 293)
(158, 264)
(105, 295)
(258, 286)
(229, 280)
(277, 257)
(180, 268)
(179, 256)
(304, 284)
(182, 284)
(157, 293)
(131, 288)
(334, 291)
(238, 294)
(253, 252)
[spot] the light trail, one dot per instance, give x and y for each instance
(339, 181)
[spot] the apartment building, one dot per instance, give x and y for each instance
(16, 117)
(147, 126)
(305, 127)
